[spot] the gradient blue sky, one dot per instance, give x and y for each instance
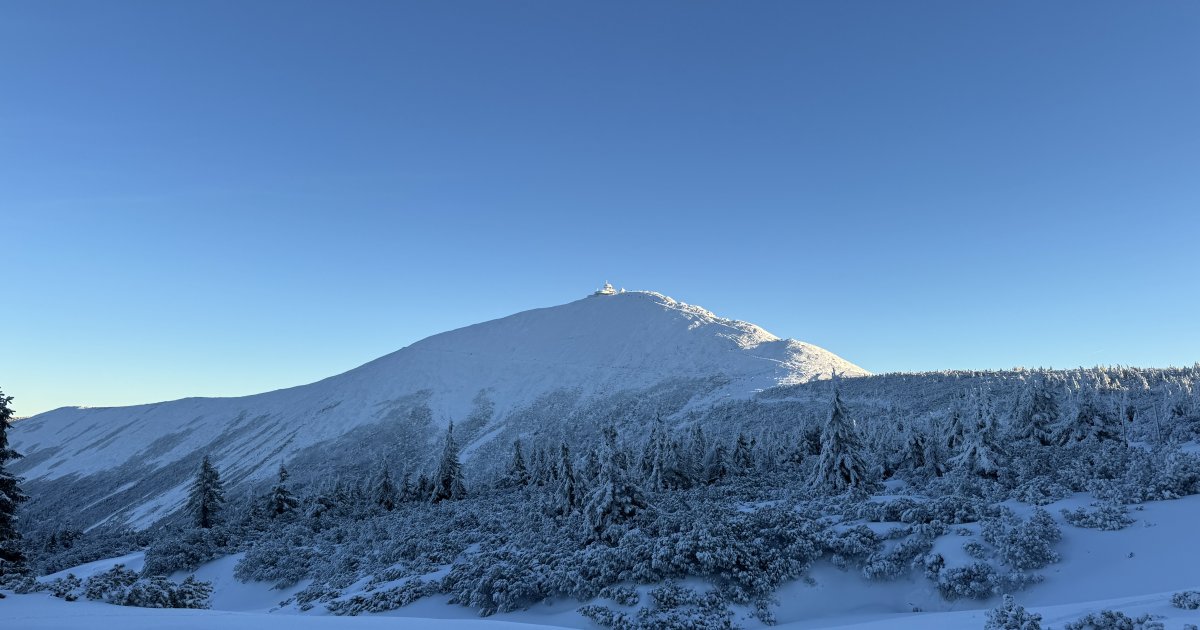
(222, 198)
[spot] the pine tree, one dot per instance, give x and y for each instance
(614, 499)
(384, 493)
(282, 503)
(207, 496)
(516, 475)
(449, 484)
(841, 465)
(12, 560)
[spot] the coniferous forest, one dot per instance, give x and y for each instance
(715, 511)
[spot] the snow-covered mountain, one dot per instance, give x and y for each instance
(550, 371)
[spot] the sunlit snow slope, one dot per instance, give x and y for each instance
(519, 374)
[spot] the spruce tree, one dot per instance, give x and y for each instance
(660, 460)
(424, 487)
(449, 484)
(516, 475)
(282, 503)
(614, 499)
(716, 464)
(12, 560)
(841, 465)
(407, 492)
(566, 494)
(697, 457)
(1092, 420)
(743, 454)
(207, 496)
(384, 494)
(1037, 418)
(980, 452)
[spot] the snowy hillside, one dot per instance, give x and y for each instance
(511, 376)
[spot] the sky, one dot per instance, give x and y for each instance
(224, 198)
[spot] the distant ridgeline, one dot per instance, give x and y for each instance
(641, 487)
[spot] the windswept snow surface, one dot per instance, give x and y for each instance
(479, 376)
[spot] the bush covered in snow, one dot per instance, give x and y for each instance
(1187, 600)
(382, 600)
(1114, 620)
(1105, 516)
(187, 549)
(622, 595)
(124, 587)
(110, 586)
(672, 607)
(977, 580)
(1010, 616)
(66, 587)
(1023, 544)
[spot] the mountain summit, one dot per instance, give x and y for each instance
(557, 370)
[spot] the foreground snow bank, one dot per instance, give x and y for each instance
(44, 612)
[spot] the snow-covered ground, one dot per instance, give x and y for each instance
(44, 612)
(1134, 570)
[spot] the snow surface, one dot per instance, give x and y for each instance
(594, 347)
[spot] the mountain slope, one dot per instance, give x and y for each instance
(512, 376)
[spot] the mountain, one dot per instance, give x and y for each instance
(555, 372)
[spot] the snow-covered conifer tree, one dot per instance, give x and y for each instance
(207, 496)
(841, 465)
(12, 560)
(980, 452)
(449, 483)
(566, 493)
(424, 487)
(614, 499)
(660, 460)
(1092, 420)
(697, 457)
(516, 475)
(716, 464)
(957, 426)
(406, 491)
(1037, 418)
(743, 454)
(384, 494)
(282, 502)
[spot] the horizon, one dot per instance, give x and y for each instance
(225, 200)
(621, 290)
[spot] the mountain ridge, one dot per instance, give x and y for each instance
(513, 375)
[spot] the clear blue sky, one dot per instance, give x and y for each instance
(222, 198)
